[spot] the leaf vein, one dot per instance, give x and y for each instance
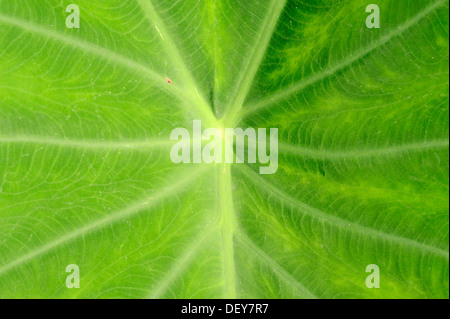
(133, 209)
(349, 60)
(390, 151)
(277, 268)
(337, 221)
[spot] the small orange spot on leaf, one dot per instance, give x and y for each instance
(169, 81)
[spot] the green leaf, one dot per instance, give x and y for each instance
(86, 177)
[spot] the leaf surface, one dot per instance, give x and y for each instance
(86, 177)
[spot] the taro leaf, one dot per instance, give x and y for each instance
(86, 177)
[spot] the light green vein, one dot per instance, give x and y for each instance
(181, 263)
(171, 48)
(277, 269)
(173, 52)
(270, 188)
(149, 144)
(308, 81)
(148, 201)
(390, 151)
(83, 45)
(228, 225)
(103, 53)
(254, 59)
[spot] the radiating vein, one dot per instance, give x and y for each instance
(254, 60)
(173, 51)
(149, 144)
(390, 151)
(276, 97)
(83, 45)
(181, 263)
(281, 195)
(279, 270)
(148, 201)
(228, 224)
(105, 54)
(171, 48)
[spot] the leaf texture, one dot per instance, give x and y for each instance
(86, 178)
